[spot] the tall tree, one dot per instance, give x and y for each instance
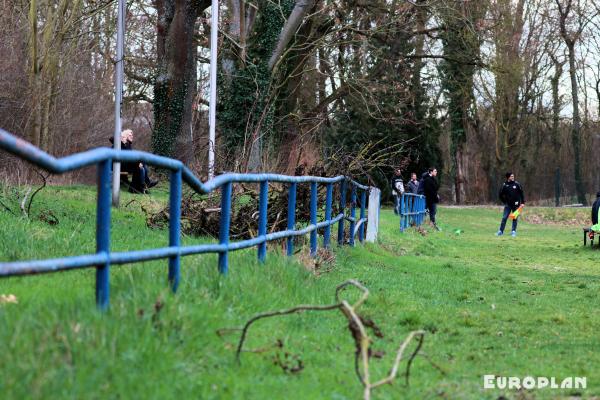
(422, 124)
(175, 82)
(461, 45)
(508, 75)
(49, 25)
(566, 14)
(558, 65)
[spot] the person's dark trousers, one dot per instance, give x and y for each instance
(432, 207)
(505, 215)
(146, 174)
(138, 180)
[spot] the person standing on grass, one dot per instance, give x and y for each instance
(595, 209)
(413, 184)
(430, 190)
(512, 196)
(397, 190)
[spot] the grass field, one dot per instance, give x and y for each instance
(504, 306)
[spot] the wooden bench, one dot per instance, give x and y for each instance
(124, 177)
(127, 183)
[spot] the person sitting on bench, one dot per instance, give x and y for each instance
(595, 209)
(140, 177)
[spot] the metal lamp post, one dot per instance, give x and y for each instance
(212, 120)
(118, 99)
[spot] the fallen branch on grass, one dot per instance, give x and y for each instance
(23, 202)
(357, 325)
(44, 183)
(7, 208)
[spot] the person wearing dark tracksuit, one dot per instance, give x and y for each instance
(512, 196)
(430, 190)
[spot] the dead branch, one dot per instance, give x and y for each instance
(130, 202)
(44, 182)
(22, 205)
(7, 208)
(357, 326)
(292, 310)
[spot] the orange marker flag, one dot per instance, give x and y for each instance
(515, 214)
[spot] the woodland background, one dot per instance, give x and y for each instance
(474, 87)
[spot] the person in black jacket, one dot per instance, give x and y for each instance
(595, 208)
(140, 177)
(512, 196)
(430, 190)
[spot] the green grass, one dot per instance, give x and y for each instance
(503, 306)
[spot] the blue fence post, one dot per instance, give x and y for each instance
(406, 201)
(401, 201)
(103, 233)
(175, 228)
(262, 218)
(417, 211)
(313, 218)
(291, 218)
(352, 213)
(342, 211)
(422, 209)
(327, 231)
(416, 208)
(361, 229)
(224, 228)
(410, 209)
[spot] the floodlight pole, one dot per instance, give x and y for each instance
(212, 112)
(118, 99)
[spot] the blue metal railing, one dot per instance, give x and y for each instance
(412, 210)
(104, 258)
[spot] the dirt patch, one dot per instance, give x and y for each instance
(558, 216)
(322, 263)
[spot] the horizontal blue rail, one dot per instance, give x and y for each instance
(104, 258)
(412, 210)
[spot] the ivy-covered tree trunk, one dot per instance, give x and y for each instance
(176, 71)
(422, 126)
(461, 52)
(299, 97)
(246, 109)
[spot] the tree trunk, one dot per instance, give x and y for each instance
(300, 10)
(461, 46)
(176, 65)
(554, 81)
(570, 39)
(576, 129)
(508, 76)
(34, 77)
(460, 168)
(597, 86)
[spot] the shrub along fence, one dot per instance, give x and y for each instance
(104, 258)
